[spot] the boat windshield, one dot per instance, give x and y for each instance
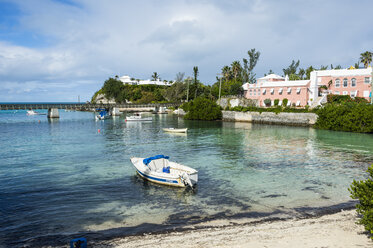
(148, 160)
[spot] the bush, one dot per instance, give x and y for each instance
(277, 109)
(285, 102)
(276, 101)
(202, 109)
(350, 117)
(341, 99)
(267, 102)
(363, 191)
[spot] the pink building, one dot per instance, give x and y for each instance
(276, 87)
(353, 82)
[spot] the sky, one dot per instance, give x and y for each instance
(59, 50)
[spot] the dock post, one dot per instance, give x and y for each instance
(53, 113)
(115, 111)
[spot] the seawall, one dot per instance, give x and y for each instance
(291, 119)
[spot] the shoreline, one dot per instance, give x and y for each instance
(329, 230)
(140, 236)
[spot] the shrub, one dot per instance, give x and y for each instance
(185, 106)
(363, 191)
(345, 98)
(203, 109)
(285, 102)
(350, 117)
(276, 101)
(267, 102)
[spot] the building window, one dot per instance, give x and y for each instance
(289, 90)
(336, 93)
(272, 91)
(353, 82)
(280, 91)
(337, 83)
(264, 91)
(345, 93)
(298, 90)
(367, 80)
(353, 94)
(345, 82)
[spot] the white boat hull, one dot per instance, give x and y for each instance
(130, 118)
(177, 176)
(175, 130)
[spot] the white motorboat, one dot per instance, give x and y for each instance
(159, 169)
(175, 130)
(31, 112)
(138, 117)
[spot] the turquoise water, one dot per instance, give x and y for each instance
(72, 177)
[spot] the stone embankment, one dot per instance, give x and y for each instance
(292, 119)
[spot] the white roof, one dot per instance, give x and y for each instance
(245, 86)
(345, 72)
(285, 83)
(271, 76)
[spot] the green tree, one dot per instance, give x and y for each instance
(227, 73)
(176, 92)
(236, 69)
(301, 73)
(366, 58)
(308, 72)
(112, 88)
(180, 77)
(292, 68)
(195, 73)
(253, 60)
(269, 72)
(363, 191)
(202, 109)
(294, 77)
(155, 76)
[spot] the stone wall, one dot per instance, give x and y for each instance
(235, 101)
(293, 119)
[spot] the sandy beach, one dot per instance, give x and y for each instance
(334, 230)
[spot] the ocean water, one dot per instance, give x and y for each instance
(71, 177)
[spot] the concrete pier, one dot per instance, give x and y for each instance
(115, 111)
(53, 113)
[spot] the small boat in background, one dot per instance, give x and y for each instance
(103, 114)
(138, 117)
(159, 169)
(31, 112)
(175, 130)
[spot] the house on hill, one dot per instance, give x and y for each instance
(352, 82)
(128, 80)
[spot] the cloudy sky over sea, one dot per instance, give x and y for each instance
(57, 50)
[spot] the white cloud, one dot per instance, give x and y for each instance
(93, 40)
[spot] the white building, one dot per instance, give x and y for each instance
(127, 80)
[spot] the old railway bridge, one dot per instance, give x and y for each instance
(113, 108)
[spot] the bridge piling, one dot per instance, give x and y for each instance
(53, 113)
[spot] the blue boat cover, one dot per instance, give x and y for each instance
(103, 113)
(148, 160)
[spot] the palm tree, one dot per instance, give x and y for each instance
(155, 76)
(301, 73)
(226, 71)
(195, 72)
(366, 58)
(236, 69)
